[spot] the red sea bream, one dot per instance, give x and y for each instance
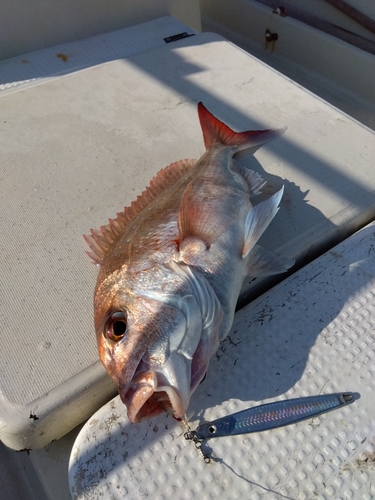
(171, 270)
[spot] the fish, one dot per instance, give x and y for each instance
(171, 268)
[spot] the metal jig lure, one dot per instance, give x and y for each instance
(268, 416)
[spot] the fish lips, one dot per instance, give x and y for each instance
(148, 395)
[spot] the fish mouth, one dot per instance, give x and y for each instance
(147, 396)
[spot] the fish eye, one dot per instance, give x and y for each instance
(115, 327)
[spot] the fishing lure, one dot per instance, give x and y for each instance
(268, 416)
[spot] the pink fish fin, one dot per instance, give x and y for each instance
(95, 259)
(195, 219)
(216, 132)
(262, 262)
(98, 243)
(100, 240)
(257, 220)
(254, 181)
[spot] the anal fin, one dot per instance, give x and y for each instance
(253, 180)
(262, 262)
(257, 220)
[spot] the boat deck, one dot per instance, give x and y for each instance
(71, 115)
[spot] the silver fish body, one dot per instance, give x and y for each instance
(171, 269)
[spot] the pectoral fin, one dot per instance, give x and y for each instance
(195, 219)
(258, 219)
(262, 262)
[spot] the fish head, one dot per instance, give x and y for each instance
(151, 344)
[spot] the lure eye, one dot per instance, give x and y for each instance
(115, 327)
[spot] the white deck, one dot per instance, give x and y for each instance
(78, 147)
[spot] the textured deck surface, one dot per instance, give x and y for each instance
(312, 334)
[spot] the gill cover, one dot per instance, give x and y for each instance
(189, 347)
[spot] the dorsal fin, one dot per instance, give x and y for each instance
(100, 240)
(216, 132)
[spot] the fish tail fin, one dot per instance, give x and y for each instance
(216, 132)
